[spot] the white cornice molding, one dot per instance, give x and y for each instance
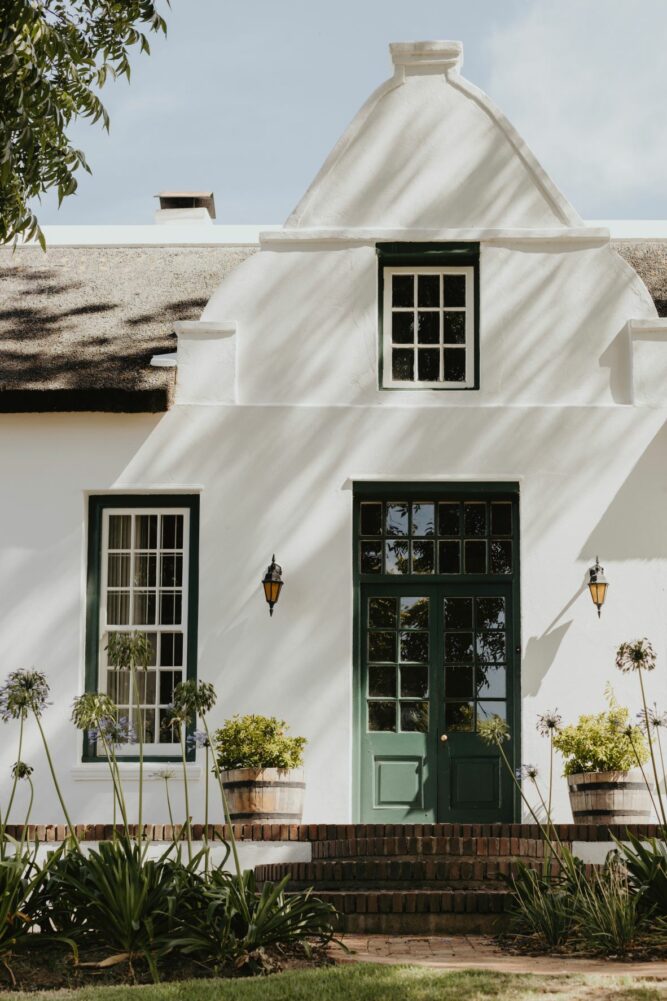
(647, 341)
(656, 324)
(205, 329)
(206, 356)
(558, 234)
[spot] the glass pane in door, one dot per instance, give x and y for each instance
(475, 646)
(398, 651)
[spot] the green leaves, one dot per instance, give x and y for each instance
(257, 742)
(54, 56)
(234, 921)
(646, 865)
(602, 742)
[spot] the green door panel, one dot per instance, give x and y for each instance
(478, 651)
(398, 727)
(435, 659)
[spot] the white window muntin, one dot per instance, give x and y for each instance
(163, 745)
(388, 310)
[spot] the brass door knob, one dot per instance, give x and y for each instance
(444, 738)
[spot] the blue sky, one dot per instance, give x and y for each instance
(247, 98)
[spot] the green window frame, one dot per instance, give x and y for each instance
(161, 557)
(428, 336)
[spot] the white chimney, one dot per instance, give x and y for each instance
(185, 206)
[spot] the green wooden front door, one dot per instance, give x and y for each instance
(437, 653)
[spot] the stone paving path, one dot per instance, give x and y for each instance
(480, 952)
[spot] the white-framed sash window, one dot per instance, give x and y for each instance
(139, 581)
(428, 328)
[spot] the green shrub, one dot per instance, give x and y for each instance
(646, 865)
(609, 918)
(541, 907)
(235, 921)
(602, 742)
(257, 742)
(118, 899)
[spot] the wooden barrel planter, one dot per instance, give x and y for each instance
(264, 795)
(609, 798)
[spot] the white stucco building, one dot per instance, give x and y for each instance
(435, 393)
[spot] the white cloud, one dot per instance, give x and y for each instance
(584, 82)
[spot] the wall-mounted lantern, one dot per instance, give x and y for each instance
(597, 585)
(272, 583)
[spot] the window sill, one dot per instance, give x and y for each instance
(94, 771)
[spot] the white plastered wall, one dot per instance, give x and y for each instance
(275, 468)
(279, 479)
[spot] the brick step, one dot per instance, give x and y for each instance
(371, 873)
(416, 847)
(566, 832)
(419, 911)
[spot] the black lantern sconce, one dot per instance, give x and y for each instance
(272, 583)
(597, 585)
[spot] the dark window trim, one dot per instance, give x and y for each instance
(96, 505)
(427, 255)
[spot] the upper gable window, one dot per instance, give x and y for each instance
(429, 322)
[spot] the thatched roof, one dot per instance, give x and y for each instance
(649, 259)
(79, 325)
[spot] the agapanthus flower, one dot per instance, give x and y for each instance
(165, 773)
(549, 723)
(635, 656)
(198, 738)
(527, 772)
(653, 720)
(21, 770)
(494, 730)
(92, 707)
(114, 731)
(192, 698)
(173, 717)
(129, 650)
(23, 692)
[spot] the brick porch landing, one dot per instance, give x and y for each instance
(478, 952)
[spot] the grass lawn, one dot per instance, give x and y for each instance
(374, 983)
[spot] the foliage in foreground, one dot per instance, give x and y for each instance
(114, 897)
(369, 982)
(131, 907)
(55, 56)
(619, 908)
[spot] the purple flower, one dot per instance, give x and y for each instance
(23, 692)
(198, 738)
(114, 731)
(549, 723)
(653, 720)
(636, 656)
